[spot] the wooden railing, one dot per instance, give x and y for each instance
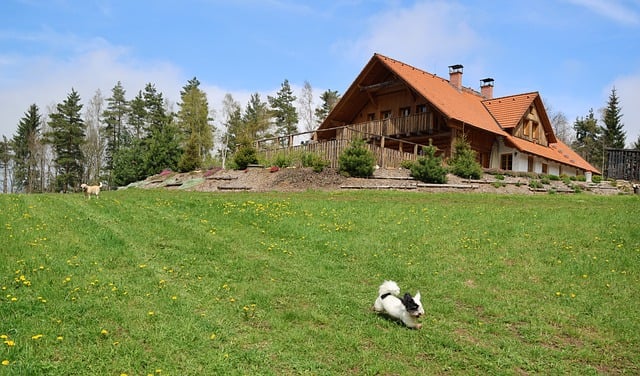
(331, 150)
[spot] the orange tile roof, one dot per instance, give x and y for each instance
(558, 152)
(508, 111)
(463, 105)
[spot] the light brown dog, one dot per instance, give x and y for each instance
(91, 190)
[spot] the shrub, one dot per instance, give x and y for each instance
(357, 160)
(499, 177)
(315, 161)
(596, 179)
(535, 184)
(545, 180)
(407, 164)
(429, 168)
(464, 162)
(282, 160)
(245, 156)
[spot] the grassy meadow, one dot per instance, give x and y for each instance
(156, 282)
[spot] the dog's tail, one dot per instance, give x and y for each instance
(100, 185)
(389, 287)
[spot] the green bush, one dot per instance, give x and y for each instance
(535, 184)
(245, 156)
(407, 163)
(499, 177)
(596, 179)
(429, 168)
(357, 160)
(316, 162)
(282, 160)
(463, 163)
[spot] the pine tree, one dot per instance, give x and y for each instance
(137, 116)
(255, 121)
(193, 119)
(162, 137)
(613, 134)
(284, 111)
(25, 151)
(329, 100)
(66, 135)
(587, 138)
(115, 117)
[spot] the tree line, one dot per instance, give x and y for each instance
(119, 140)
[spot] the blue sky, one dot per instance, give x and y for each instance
(571, 51)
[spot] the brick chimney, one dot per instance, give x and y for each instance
(455, 76)
(486, 88)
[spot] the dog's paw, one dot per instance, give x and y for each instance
(418, 326)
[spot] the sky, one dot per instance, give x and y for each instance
(573, 52)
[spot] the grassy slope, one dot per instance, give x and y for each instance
(187, 283)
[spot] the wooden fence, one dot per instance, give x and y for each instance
(623, 164)
(331, 150)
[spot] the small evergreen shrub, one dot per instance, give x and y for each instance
(596, 179)
(499, 177)
(357, 160)
(464, 163)
(545, 180)
(428, 168)
(313, 160)
(245, 156)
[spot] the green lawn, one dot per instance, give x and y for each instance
(146, 282)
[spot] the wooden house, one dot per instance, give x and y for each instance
(396, 106)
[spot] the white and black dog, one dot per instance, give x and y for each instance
(407, 308)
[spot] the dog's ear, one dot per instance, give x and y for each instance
(409, 303)
(417, 296)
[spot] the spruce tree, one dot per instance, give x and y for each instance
(255, 121)
(115, 117)
(329, 100)
(284, 111)
(193, 119)
(613, 134)
(25, 151)
(162, 138)
(66, 135)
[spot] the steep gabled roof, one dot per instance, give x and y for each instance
(463, 105)
(508, 111)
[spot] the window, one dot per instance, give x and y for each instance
(385, 114)
(545, 168)
(535, 131)
(371, 117)
(506, 162)
(526, 127)
(405, 111)
(421, 109)
(530, 164)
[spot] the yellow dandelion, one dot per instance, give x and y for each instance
(5, 362)
(3, 336)
(212, 336)
(59, 338)
(9, 343)
(36, 337)
(104, 332)
(150, 313)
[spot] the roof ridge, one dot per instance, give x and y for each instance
(512, 96)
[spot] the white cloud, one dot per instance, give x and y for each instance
(430, 33)
(627, 91)
(46, 79)
(615, 10)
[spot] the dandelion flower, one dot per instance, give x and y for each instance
(212, 336)
(37, 337)
(5, 362)
(104, 332)
(9, 343)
